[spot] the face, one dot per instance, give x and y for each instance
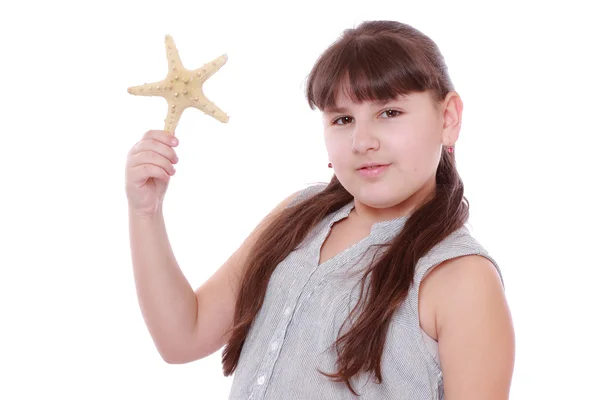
(406, 134)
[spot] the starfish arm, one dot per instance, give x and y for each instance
(209, 69)
(173, 116)
(209, 108)
(149, 89)
(175, 64)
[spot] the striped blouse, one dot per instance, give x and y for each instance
(305, 306)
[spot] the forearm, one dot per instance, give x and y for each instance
(167, 301)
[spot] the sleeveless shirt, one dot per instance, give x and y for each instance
(306, 304)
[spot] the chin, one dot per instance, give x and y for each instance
(377, 197)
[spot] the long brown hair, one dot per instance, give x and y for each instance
(377, 60)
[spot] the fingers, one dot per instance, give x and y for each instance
(142, 172)
(165, 137)
(153, 156)
(144, 158)
(160, 142)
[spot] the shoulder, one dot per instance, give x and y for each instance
(462, 284)
(306, 193)
(444, 281)
(461, 250)
(464, 270)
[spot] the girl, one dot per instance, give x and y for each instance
(367, 285)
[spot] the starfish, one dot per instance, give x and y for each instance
(182, 88)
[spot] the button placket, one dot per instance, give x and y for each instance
(312, 291)
(266, 369)
(272, 353)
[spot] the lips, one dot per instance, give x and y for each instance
(373, 172)
(371, 166)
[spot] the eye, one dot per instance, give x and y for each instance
(390, 113)
(335, 121)
(386, 112)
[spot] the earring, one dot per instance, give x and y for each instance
(329, 165)
(450, 150)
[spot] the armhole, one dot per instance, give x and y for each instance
(427, 344)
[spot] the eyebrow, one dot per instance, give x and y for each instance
(379, 103)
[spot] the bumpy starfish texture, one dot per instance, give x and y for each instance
(182, 88)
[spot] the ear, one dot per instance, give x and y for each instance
(452, 118)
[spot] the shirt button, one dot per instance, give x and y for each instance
(287, 311)
(274, 346)
(261, 380)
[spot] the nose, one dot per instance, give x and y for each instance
(364, 138)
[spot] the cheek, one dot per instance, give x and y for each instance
(416, 161)
(335, 149)
(330, 144)
(424, 163)
(422, 147)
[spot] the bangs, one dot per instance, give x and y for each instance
(369, 69)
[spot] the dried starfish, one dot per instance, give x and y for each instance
(182, 88)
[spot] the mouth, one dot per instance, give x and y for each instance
(372, 171)
(374, 166)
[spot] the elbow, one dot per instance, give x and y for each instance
(176, 359)
(181, 356)
(172, 355)
(173, 361)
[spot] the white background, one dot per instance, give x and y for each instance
(70, 322)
